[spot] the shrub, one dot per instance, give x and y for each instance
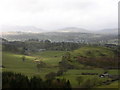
(51, 75)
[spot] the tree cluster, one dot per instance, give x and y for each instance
(17, 80)
(36, 46)
(66, 61)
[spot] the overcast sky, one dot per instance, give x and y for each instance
(56, 14)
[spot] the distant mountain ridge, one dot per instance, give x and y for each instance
(69, 34)
(108, 31)
(31, 29)
(19, 29)
(73, 29)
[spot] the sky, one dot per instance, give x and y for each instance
(57, 14)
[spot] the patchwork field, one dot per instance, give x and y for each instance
(13, 62)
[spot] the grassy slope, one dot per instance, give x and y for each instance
(112, 85)
(72, 74)
(13, 62)
(93, 51)
(96, 52)
(50, 57)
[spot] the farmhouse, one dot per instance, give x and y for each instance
(40, 50)
(105, 74)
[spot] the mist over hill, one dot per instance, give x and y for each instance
(108, 31)
(14, 29)
(68, 34)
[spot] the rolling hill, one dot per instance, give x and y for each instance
(93, 51)
(68, 34)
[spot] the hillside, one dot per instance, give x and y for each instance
(94, 56)
(93, 51)
(13, 62)
(108, 31)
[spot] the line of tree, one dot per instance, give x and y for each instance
(36, 46)
(17, 80)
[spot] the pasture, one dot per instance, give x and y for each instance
(13, 62)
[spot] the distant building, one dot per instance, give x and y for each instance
(110, 45)
(105, 74)
(41, 50)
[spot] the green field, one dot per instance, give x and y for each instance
(112, 85)
(13, 62)
(93, 51)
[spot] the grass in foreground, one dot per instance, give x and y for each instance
(13, 62)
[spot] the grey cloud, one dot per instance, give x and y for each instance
(53, 14)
